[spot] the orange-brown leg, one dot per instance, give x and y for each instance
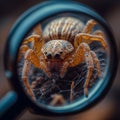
(31, 57)
(34, 59)
(71, 91)
(99, 33)
(90, 68)
(64, 69)
(22, 51)
(89, 26)
(96, 62)
(82, 54)
(25, 74)
(58, 100)
(37, 39)
(88, 38)
(37, 30)
(37, 45)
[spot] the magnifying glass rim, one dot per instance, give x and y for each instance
(47, 9)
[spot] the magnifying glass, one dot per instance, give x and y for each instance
(60, 58)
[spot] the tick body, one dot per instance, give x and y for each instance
(63, 43)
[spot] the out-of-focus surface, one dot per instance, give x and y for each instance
(107, 109)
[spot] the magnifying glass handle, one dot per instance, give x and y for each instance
(10, 106)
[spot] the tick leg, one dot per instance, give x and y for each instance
(88, 38)
(89, 26)
(37, 40)
(25, 74)
(99, 33)
(34, 59)
(31, 38)
(58, 100)
(31, 57)
(96, 62)
(37, 43)
(72, 91)
(82, 54)
(90, 68)
(64, 69)
(38, 30)
(22, 51)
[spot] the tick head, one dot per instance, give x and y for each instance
(56, 49)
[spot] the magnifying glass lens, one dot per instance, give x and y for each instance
(64, 59)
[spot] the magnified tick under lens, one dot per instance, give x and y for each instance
(63, 59)
(60, 58)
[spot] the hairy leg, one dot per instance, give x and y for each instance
(90, 68)
(38, 30)
(89, 26)
(64, 69)
(22, 51)
(25, 74)
(99, 33)
(37, 39)
(88, 38)
(58, 100)
(82, 54)
(34, 59)
(31, 57)
(37, 43)
(72, 91)
(96, 62)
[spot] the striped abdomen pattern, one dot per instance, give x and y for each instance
(65, 28)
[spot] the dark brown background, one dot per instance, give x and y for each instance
(107, 109)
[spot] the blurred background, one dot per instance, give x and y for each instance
(109, 107)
